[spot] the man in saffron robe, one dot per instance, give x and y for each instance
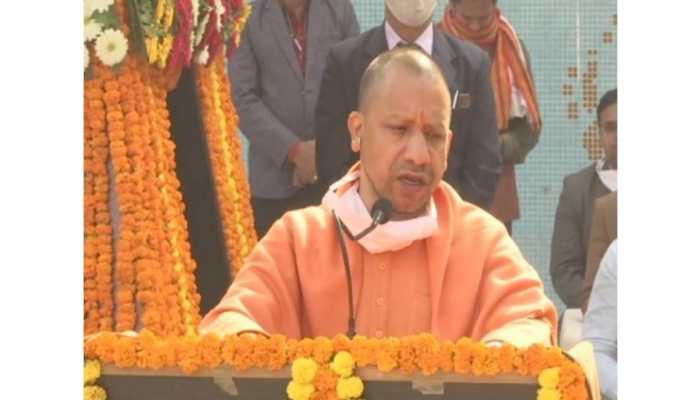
(440, 265)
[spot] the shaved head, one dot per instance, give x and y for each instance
(410, 59)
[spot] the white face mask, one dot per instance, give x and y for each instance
(391, 236)
(412, 13)
(607, 176)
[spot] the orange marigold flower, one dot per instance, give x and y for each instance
(125, 352)
(506, 355)
(463, 356)
(484, 360)
(189, 354)
(211, 351)
(363, 350)
(325, 380)
(407, 356)
(388, 354)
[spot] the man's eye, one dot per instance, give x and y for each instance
(399, 129)
(435, 137)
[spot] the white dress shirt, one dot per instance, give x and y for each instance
(600, 322)
(424, 41)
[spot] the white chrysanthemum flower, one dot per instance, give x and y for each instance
(195, 11)
(98, 5)
(195, 18)
(92, 30)
(220, 10)
(203, 56)
(86, 57)
(111, 47)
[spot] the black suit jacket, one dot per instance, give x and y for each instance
(474, 162)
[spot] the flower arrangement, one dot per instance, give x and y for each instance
(324, 381)
(138, 266)
(409, 355)
(102, 31)
(232, 189)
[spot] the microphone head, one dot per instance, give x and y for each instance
(381, 211)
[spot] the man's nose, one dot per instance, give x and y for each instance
(417, 150)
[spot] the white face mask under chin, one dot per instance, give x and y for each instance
(607, 176)
(391, 236)
(412, 13)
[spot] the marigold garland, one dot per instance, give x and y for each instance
(179, 281)
(224, 146)
(98, 230)
(127, 129)
(412, 353)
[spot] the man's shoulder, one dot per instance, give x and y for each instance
(307, 221)
(468, 216)
(348, 48)
(464, 49)
(580, 177)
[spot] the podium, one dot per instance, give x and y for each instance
(224, 384)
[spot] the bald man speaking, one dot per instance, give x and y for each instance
(393, 250)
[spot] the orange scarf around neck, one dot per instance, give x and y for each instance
(509, 66)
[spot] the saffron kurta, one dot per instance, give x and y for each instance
(469, 279)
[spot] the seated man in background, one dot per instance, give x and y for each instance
(600, 322)
(572, 223)
(603, 232)
(440, 265)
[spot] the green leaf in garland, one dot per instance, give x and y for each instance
(137, 36)
(108, 19)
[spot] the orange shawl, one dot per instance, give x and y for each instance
(509, 64)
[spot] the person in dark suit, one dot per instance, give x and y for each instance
(517, 110)
(275, 78)
(474, 162)
(572, 223)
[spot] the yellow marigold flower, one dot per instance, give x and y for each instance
(548, 394)
(350, 388)
(549, 378)
(299, 391)
(91, 371)
(94, 393)
(343, 364)
(304, 370)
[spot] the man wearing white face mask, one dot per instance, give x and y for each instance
(572, 224)
(474, 162)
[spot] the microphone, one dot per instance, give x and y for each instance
(381, 211)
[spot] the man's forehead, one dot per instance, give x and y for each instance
(399, 79)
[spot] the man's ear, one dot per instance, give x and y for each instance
(355, 126)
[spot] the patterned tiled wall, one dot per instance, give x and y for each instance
(573, 50)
